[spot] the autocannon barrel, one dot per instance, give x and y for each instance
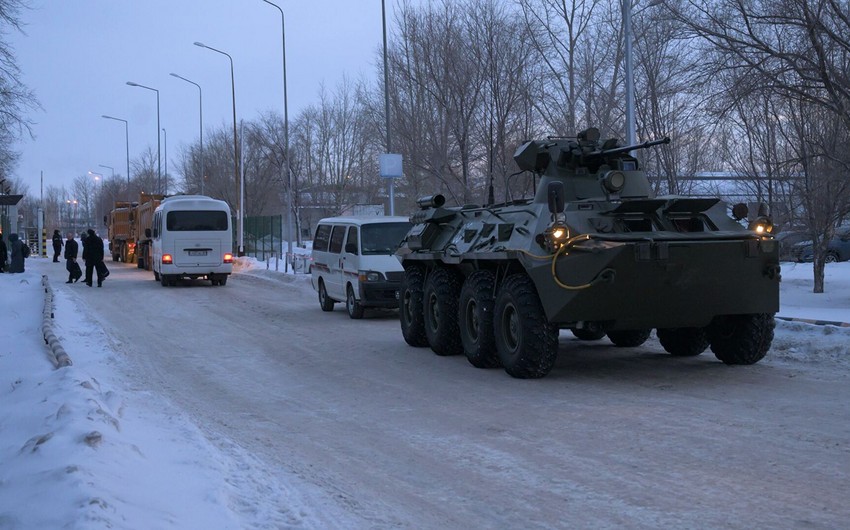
(627, 148)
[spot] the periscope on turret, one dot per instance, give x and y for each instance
(594, 251)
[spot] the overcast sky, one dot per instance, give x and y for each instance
(77, 55)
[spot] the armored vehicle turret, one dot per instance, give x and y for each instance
(595, 252)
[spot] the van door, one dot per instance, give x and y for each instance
(334, 283)
(351, 261)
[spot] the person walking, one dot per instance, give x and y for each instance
(4, 254)
(93, 256)
(19, 252)
(72, 250)
(57, 245)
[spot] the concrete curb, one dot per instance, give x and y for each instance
(816, 322)
(57, 352)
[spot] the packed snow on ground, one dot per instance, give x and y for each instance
(86, 446)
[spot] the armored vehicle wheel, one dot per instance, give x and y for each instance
(527, 343)
(355, 310)
(741, 339)
(588, 334)
(683, 342)
(475, 314)
(629, 338)
(324, 300)
(442, 291)
(411, 308)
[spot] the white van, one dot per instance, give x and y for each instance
(354, 260)
(192, 237)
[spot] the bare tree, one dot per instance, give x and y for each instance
(15, 98)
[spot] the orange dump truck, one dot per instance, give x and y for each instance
(126, 225)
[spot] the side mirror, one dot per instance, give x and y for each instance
(147, 233)
(555, 193)
(351, 248)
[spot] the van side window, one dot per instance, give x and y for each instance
(322, 237)
(337, 236)
(351, 244)
(157, 216)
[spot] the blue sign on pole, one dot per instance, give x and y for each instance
(390, 166)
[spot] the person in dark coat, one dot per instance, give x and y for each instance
(72, 250)
(16, 247)
(93, 256)
(57, 245)
(4, 254)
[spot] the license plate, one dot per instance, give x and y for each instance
(197, 252)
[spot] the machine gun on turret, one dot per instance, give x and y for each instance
(583, 151)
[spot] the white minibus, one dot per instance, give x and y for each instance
(354, 260)
(192, 237)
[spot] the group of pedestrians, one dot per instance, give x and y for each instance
(92, 256)
(17, 251)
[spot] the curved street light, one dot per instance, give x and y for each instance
(98, 177)
(286, 140)
(201, 120)
(127, 140)
(240, 251)
(158, 157)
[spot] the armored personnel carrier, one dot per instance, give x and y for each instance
(595, 252)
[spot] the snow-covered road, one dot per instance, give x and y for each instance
(373, 433)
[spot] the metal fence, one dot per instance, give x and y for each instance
(264, 238)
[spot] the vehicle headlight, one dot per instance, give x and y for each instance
(762, 226)
(555, 235)
(370, 276)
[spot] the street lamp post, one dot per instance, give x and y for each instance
(201, 120)
(98, 177)
(72, 203)
(127, 141)
(241, 247)
(158, 157)
(286, 140)
(165, 152)
(111, 178)
(387, 102)
(629, 73)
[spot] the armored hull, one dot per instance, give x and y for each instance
(593, 252)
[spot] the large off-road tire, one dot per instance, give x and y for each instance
(441, 295)
(325, 302)
(527, 343)
(629, 338)
(411, 308)
(475, 318)
(352, 305)
(683, 342)
(588, 334)
(741, 339)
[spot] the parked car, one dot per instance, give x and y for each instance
(838, 248)
(787, 240)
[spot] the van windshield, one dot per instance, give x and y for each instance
(196, 221)
(382, 238)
